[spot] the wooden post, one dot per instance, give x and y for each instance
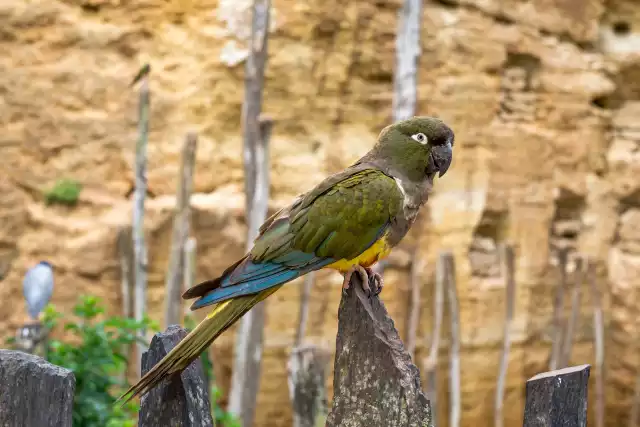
(35, 392)
(181, 222)
(307, 369)
(508, 269)
(558, 308)
(454, 367)
(375, 383)
(557, 398)
(140, 192)
(181, 400)
(431, 364)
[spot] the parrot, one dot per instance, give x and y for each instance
(347, 222)
(37, 288)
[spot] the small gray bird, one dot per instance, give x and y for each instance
(37, 288)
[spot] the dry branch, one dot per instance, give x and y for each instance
(598, 328)
(454, 369)
(407, 53)
(573, 318)
(414, 304)
(125, 256)
(508, 259)
(303, 316)
(307, 374)
(375, 383)
(140, 192)
(190, 265)
(246, 368)
(431, 363)
(181, 223)
(558, 308)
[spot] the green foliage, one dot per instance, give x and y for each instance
(96, 357)
(65, 192)
(221, 417)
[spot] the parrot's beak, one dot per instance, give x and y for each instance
(441, 155)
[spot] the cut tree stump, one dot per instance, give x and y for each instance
(375, 382)
(181, 400)
(33, 392)
(558, 398)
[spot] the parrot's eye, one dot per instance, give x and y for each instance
(420, 137)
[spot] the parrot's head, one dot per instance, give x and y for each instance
(418, 147)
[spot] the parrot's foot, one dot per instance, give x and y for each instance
(367, 276)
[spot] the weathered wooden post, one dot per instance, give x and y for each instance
(557, 398)
(180, 401)
(34, 392)
(375, 382)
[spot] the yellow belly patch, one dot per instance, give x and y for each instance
(379, 250)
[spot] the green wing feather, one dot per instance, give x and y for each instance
(338, 219)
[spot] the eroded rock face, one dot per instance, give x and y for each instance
(543, 97)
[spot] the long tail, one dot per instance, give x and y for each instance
(219, 320)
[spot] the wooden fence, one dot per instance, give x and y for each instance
(370, 357)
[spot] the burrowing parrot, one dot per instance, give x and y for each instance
(347, 223)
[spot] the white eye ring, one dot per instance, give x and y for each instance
(420, 137)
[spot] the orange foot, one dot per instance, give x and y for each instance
(367, 276)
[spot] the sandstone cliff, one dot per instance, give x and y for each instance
(544, 97)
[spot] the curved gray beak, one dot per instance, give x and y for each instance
(442, 157)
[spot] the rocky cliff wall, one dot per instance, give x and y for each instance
(544, 97)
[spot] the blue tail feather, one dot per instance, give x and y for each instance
(250, 278)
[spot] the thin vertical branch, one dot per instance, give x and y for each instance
(246, 369)
(575, 311)
(598, 326)
(181, 223)
(431, 365)
(190, 263)
(140, 192)
(303, 316)
(124, 255)
(558, 307)
(508, 269)
(414, 304)
(454, 373)
(407, 53)
(635, 405)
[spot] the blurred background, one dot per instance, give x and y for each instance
(544, 99)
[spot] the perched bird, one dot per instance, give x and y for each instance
(37, 288)
(347, 223)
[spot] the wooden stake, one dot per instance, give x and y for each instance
(414, 305)
(454, 369)
(598, 327)
(573, 318)
(140, 192)
(181, 224)
(558, 308)
(431, 363)
(508, 269)
(246, 369)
